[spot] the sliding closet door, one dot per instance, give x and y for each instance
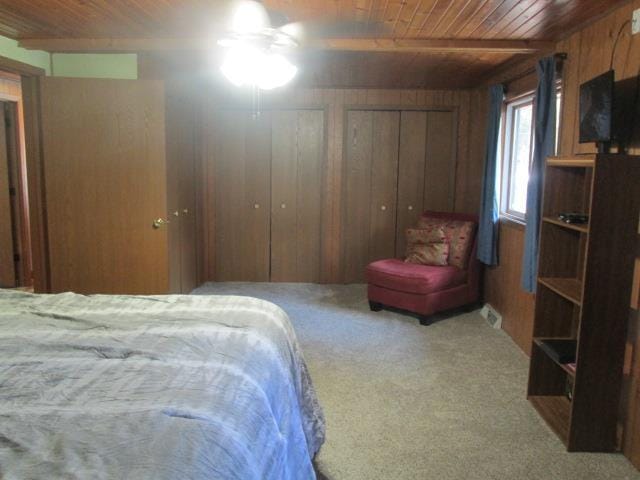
(384, 185)
(181, 141)
(411, 169)
(242, 156)
(296, 193)
(357, 194)
(371, 177)
(103, 147)
(440, 163)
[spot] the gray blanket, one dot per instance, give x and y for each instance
(157, 387)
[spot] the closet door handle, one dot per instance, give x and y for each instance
(185, 211)
(158, 222)
(383, 208)
(176, 213)
(410, 207)
(256, 206)
(283, 205)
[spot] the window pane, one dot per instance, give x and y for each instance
(520, 158)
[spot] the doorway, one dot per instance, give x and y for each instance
(16, 269)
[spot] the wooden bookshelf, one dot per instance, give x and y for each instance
(584, 285)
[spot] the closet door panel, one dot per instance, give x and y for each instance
(242, 196)
(357, 199)
(229, 166)
(174, 139)
(257, 194)
(411, 168)
(284, 196)
(440, 162)
(186, 131)
(384, 184)
(311, 155)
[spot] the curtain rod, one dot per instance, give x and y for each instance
(560, 57)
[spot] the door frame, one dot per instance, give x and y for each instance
(30, 82)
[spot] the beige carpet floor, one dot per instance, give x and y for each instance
(403, 401)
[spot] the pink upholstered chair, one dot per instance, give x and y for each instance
(425, 289)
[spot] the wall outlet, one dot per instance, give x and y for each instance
(635, 22)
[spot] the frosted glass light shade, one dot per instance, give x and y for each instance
(247, 65)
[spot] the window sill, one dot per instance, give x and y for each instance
(512, 222)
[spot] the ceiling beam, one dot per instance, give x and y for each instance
(439, 45)
(397, 45)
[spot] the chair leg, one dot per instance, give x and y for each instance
(425, 320)
(375, 306)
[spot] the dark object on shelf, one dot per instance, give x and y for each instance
(560, 350)
(572, 217)
(596, 110)
(568, 388)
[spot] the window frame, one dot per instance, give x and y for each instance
(505, 146)
(508, 128)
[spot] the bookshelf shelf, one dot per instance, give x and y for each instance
(584, 161)
(584, 228)
(569, 288)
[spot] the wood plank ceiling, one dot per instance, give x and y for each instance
(400, 19)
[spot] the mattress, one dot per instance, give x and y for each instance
(153, 387)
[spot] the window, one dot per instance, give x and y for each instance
(517, 152)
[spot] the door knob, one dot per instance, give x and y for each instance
(383, 207)
(158, 222)
(256, 206)
(176, 213)
(410, 207)
(185, 211)
(283, 205)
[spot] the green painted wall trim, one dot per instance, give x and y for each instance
(9, 48)
(95, 65)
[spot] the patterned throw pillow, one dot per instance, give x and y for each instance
(431, 234)
(459, 235)
(428, 254)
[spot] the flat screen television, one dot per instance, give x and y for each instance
(596, 109)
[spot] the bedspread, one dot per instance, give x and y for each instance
(153, 387)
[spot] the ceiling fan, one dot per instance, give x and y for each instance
(256, 50)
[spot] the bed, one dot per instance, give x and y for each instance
(153, 387)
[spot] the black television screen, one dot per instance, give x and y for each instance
(596, 108)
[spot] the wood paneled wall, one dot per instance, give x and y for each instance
(335, 103)
(589, 52)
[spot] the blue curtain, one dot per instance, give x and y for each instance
(544, 142)
(489, 211)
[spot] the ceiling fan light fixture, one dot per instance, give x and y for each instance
(247, 65)
(276, 72)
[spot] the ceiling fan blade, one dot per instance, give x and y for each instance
(295, 30)
(248, 16)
